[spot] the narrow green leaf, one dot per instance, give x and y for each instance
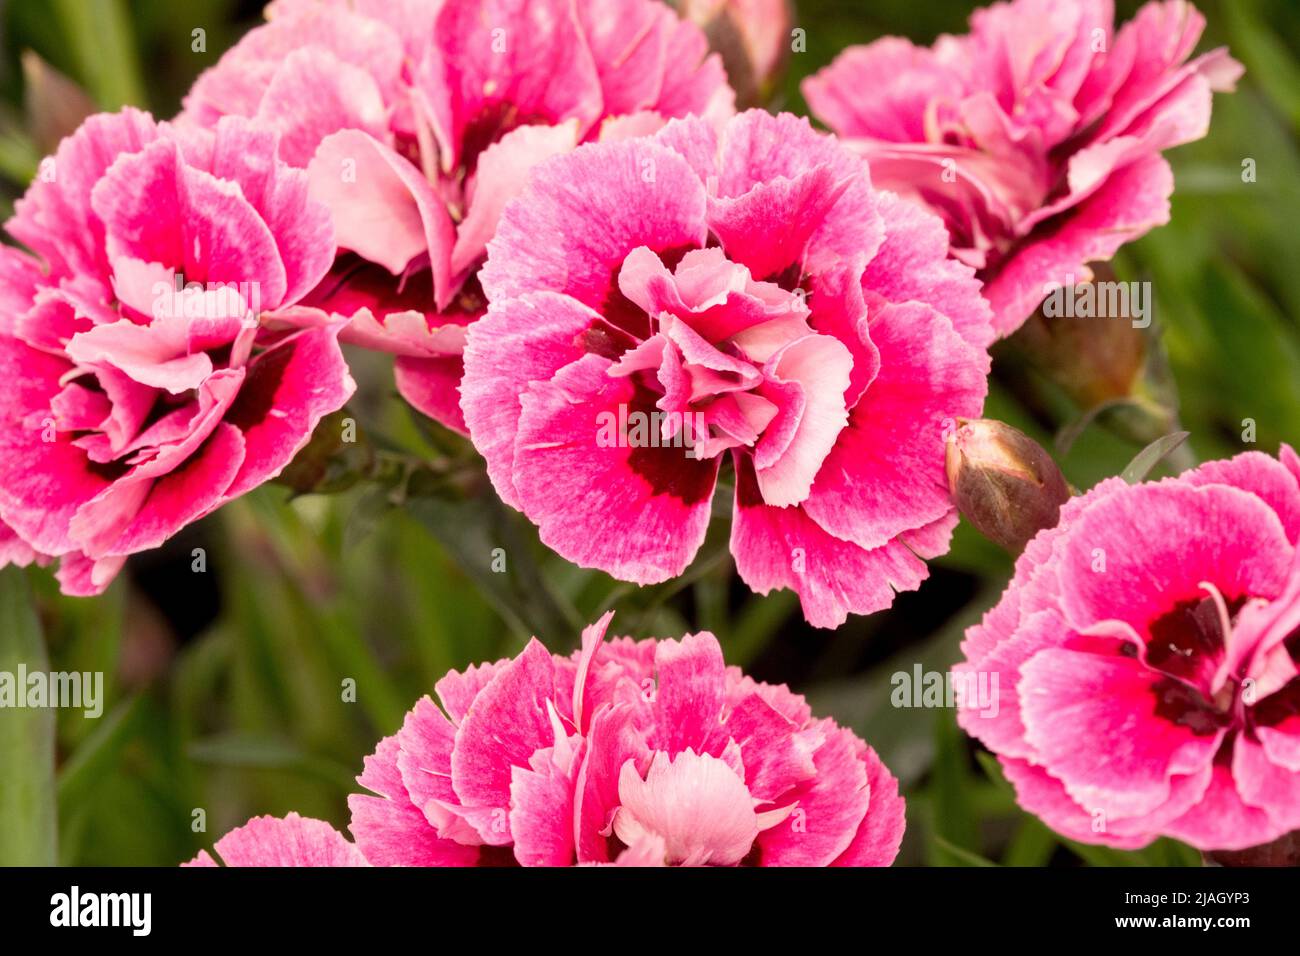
(1145, 460)
(269, 753)
(99, 753)
(1032, 845)
(28, 814)
(955, 827)
(99, 35)
(952, 855)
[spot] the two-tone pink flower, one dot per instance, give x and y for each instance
(750, 296)
(1148, 655)
(143, 387)
(1037, 136)
(631, 752)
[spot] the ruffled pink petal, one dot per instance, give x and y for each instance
(830, 808)
(289, 389)
(55, 218)
(878, 838)
(885, 474)
(285, 841)
(1132, 202)
(695, 803)
(579, 217)
(383, 208)
(507, 723)
(1062, 690)
(575, 487)
(518, 342)
(785, 548)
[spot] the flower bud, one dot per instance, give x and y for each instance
(1003, 482)
(753, 38)
(1093, 358)
(1284, 851)
(55, 105)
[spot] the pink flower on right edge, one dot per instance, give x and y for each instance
(1037, 136)
(1147, 654)
(660, 306)
(634, 753)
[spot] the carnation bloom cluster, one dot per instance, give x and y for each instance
(417, 122)
(550, 213)
(1037, 136)
(1148, 651)
(649, 752)
(751, 280)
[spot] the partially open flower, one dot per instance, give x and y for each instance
(1037, 136)
(1003, 482)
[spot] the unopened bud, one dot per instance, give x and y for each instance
(55, 105)
(1096, 356)
(1003, 482)
(751, 36)
(1284, 851)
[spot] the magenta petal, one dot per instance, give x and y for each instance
(383, 207)
(541, 807)
(288, 390)
(878, 838)
(42, 484)
(1132, 202)
(155, 208)
(287, 841)
(885, 474)
(500, 176)
(314, 94)
(579, 217)
(518, 342)
(689, 696)
(55, 218)
(830, 807)
(507, 723)
(575, 486)
(1062, 689)
(786, 548)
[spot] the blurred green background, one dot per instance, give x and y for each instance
(225, 688)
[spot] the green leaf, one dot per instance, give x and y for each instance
(1149, 457)
(99, 753)
(955, 828)
(1266, 57)
(1032, 845)
(99, 35)
(478, 534)
(1103, 855)
(269, 753)
(28, 813)
(952, 855)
